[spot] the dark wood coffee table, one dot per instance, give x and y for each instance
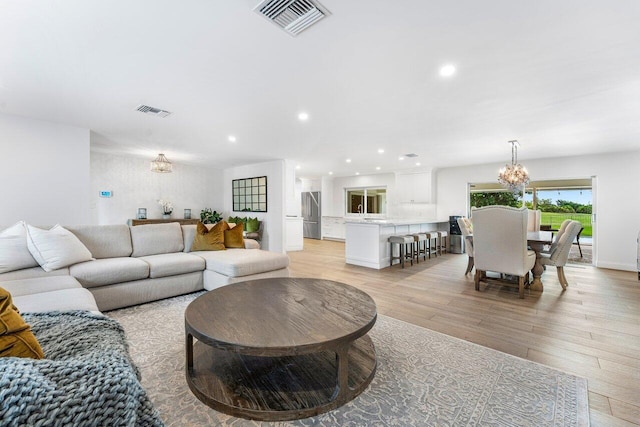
(280, 348)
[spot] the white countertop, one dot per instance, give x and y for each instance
(393, 221)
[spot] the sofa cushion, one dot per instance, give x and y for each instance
(188, 234)
(164, 265)
(153, 239)
(60, 300)
(16, 338)
(14, 253)
(28, 273)
(104, 241)
(243, 262)
(55, 248)
(40, 284)
(108, 271)
(210, 239)
(233, 237)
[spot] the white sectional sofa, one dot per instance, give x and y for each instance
(137, 264)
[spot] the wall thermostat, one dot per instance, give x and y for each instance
(106, 193)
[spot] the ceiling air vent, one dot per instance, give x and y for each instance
(293, 16)
(411, 155)
(152, 111)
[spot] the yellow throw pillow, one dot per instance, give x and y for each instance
(233, 238)
(16, 339)
(210, 240)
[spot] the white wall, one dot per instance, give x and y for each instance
(44, 172)
(292, 190)
(617, 206)
(135, 186)
(274, 219)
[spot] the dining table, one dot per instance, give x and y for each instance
(536, 241)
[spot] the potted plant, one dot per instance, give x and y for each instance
(167, 208)
(207, 216)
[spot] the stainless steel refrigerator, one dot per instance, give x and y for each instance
(311, 215)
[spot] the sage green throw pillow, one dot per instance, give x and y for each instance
(252, 225)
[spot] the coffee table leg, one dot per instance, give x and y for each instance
(342, 391)
(189, 351)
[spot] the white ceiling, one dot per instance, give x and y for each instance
(562, 77)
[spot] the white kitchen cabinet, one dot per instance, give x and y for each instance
(293, 234)
(333, 228)
(414, 187)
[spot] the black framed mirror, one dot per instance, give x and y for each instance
(250, 194)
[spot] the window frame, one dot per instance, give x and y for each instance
(348, 214)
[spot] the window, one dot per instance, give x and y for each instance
(370, 201)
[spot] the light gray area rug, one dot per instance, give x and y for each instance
(424, 378)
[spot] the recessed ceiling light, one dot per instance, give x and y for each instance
(298, 167)
(232, 138)
(380, 150)
(401, 158)
(377, 168)
(348, 160)
(330, 173)
(447, 70)
(303, 116)
(418, 164)
(357, 173)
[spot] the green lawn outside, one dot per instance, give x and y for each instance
(555, 219)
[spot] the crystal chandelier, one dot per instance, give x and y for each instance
(161, 164)
(514, 176)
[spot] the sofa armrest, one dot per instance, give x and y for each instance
(251, 244)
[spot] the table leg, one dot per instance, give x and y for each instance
(538, 269)
(189, 351)
(342, 392)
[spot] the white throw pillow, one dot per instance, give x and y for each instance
(14, 253)
(56, 248)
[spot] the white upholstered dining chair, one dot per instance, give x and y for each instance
(500, 243)
(466, 227)
(533, 220)
(556, 238)
(559, 254)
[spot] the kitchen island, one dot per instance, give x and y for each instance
(366, 239)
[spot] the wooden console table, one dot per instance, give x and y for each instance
(163, 221)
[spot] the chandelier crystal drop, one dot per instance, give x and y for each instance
(161, 164)
(514, 176)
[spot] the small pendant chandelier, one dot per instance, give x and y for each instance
(161, 164)
(514, 176)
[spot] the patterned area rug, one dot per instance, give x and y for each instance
(424, 378)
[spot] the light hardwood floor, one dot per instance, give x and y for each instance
(591, 330)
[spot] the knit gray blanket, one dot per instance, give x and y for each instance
(87, 378)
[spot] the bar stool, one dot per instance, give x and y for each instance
(405, 249)
(443, 243)
(420, 245)
(432, 243)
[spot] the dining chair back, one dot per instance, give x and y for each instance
(466, 227)
(560, 232)
(533, 220)
(560, 254)
(500, 243)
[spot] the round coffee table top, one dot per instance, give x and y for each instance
(280, 316)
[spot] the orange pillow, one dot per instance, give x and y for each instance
(16, 338)
(233, 237)
(210, 240)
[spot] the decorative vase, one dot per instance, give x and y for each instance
(166, 216)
